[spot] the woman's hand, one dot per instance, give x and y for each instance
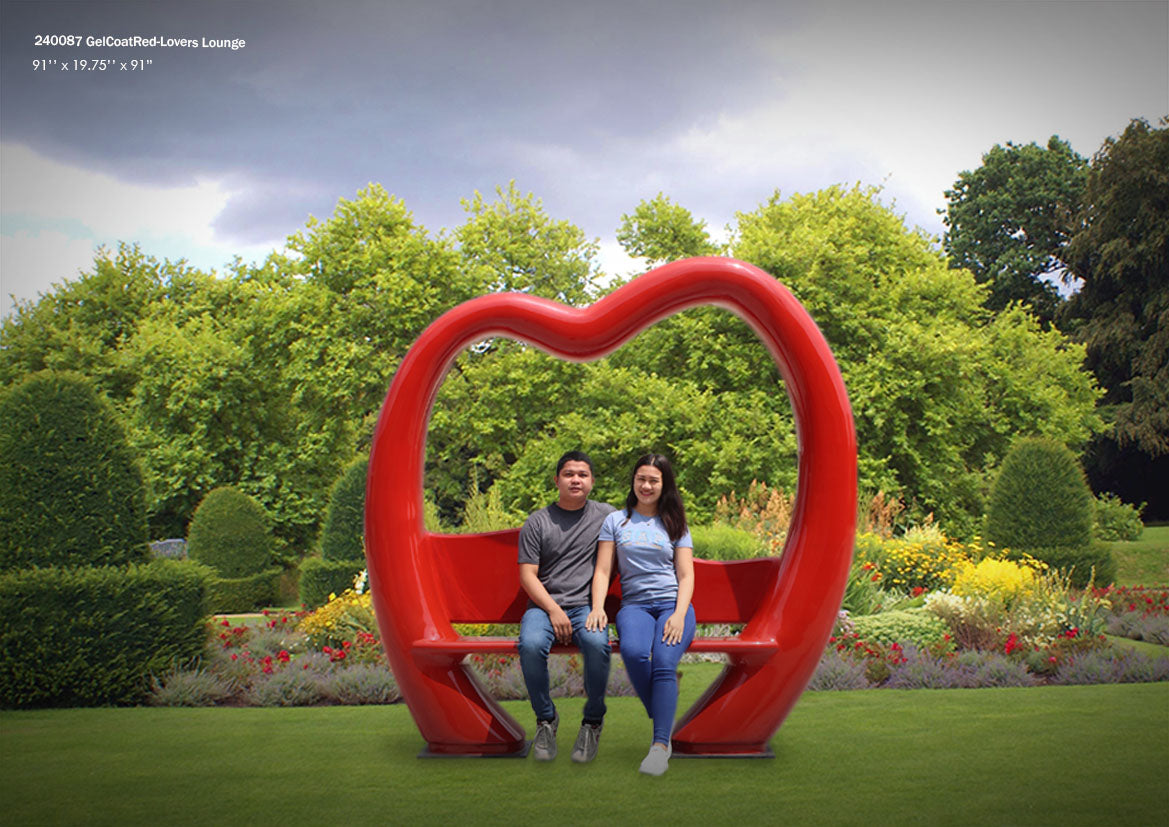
(597, 620)
(675, 626)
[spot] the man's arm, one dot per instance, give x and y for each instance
(530, 580)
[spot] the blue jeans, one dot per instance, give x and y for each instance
(536, 639)
(653, 665)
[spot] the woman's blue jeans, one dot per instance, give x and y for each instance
(653, 665)
(536, 639)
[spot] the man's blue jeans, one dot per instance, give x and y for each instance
(653, 665)
(536, 639)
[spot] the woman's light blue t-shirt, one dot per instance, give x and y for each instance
(645, 556)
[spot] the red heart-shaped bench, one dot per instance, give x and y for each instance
(421, 582)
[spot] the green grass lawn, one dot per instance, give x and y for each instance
(1143, 562)
(1056, 755)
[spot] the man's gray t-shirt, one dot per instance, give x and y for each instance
(564, 545)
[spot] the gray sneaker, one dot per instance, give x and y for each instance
(544, 744)
(587, 741)
(658, 760)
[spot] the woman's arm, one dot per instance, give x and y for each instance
(684, 568)
(602, 574)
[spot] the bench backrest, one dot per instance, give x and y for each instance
(479, 578)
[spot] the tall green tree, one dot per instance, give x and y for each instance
(1009, 220)
(512, 244)
(1121, 252)
(661, 231)
(1121, 313)
(658, 230)
(939, 385)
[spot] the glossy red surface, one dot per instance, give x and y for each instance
(795, 606)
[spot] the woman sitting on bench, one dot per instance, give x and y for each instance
(655, 624)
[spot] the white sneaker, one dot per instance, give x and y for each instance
(657, 761)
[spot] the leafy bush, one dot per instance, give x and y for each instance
(363, 683)
(1003, 581)
(1101, 666)
(1117, 520)
(92, 636)
(71, 489)
(342, 536)
(764, 512)
(341, 619)
(1040, 499)
(321, 578)
(921, 562)
(902, 626)
(192, 687)
(484, 511)
(230, 533)
(724, 542)
(836, 672)
(288, 687)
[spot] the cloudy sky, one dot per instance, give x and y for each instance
(212, 152)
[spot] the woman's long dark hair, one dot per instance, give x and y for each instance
(670, 508)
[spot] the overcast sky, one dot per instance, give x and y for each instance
(208, 153)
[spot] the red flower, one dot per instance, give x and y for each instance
(283, 656)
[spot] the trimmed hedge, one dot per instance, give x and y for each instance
(230, 533)
(320, 578)
(342, 536)
(231, 595)
(71, 488)
(93, 636)
(1040, 498)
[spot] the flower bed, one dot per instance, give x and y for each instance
(987, 622)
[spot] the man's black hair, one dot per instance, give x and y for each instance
(574, 456)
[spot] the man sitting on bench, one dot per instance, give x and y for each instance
(557, 552)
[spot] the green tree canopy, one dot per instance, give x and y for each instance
(1009, 220)
(1121, 313)
(511, 244)
(939, 385)
(659, 230)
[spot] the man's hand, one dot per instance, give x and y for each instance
(561, 626)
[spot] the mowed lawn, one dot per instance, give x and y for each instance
(1054, 755)
(1143, 562)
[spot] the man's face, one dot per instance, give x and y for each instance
(573, 483)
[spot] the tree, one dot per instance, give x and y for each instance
(1009, 220)
(83, 324)
(513, 245)
(939, 385)
(1121, 313)
(660, 230)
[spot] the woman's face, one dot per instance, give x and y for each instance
(647, 485)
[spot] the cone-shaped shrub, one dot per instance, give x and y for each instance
(71, 489)
(1040, 499)
(230, 533)
(341, 536)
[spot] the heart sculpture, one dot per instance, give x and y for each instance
(740, 712)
